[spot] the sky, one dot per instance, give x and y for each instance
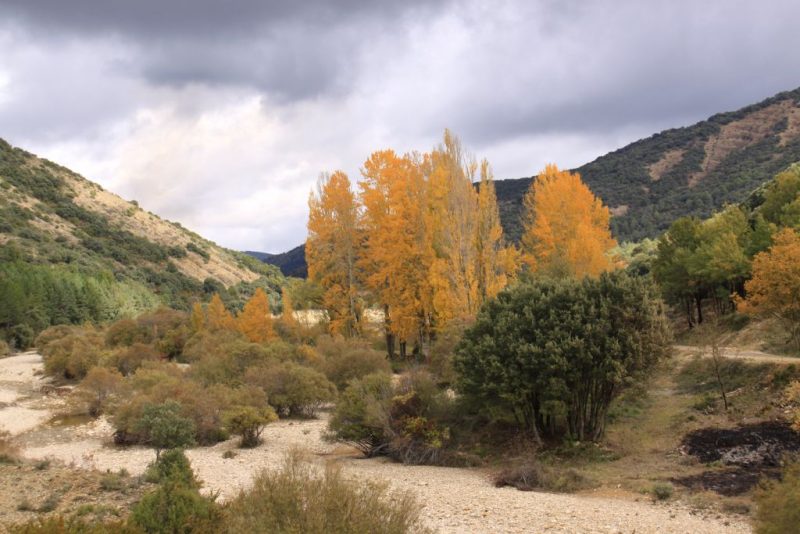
(222, 115)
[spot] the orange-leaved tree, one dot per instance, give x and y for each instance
(198, 317)
(331, 251)
(217, 316)
(396, 255)
(496, 263)
(255, 319)
(774, 289)
(566, 227)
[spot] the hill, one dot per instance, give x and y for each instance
(693, 170)
(291, 263)
(72, 251)
(683, 171)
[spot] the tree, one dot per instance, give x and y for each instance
(249, 422)
(554, 353)
(164, 427)
(288, 321)
(396, 256)
(198, 317)
(255, 320)
(774, 289)
(217, 315)
(99, 387)
(496, 264)
(331, 249)
(566, 227)
(452, 218)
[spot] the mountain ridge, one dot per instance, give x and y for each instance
(689, 170)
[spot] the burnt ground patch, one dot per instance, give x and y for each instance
(750, 453)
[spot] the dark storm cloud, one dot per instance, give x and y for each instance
(289, 49)
(222, 113)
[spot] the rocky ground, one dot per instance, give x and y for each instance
(455, 499)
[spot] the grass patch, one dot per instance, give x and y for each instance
(662, 491)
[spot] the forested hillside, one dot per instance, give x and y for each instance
(291, 263)
(72, 252)
(684, 171)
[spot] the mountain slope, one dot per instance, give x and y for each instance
(291, 263)
(67, 238)
(683, 171)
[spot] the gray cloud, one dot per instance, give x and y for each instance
(200, 108)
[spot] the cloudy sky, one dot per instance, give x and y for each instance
(222, 114)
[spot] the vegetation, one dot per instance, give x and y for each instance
(778, 504)
(297, 499)
(533, 354)
(566, 227)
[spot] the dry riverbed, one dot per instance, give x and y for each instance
(456, 500)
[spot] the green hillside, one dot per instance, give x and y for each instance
(684, 171)
(71, 252)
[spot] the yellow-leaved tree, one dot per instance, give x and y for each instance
(331, 249)
(255, 319)
(774, 289)
(198, 317)
(566, 227)
(396, 256)
(217, 316)
(496, 263)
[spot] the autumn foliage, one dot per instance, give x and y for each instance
(566, 227)
(774, 289)
(255, 320)
(419, 239)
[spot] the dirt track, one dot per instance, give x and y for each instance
(739, 354)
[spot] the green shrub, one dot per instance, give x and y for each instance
(778, 504)
(5, 350)
(361, 415)
(292, 389)
(174, 508)
(553, 354)
(172, 465)
(164, 427)
(662, 491)
(344, 360)
(249, 422)
(298, 499)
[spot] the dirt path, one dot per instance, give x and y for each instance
(739, 354)
(456, 500)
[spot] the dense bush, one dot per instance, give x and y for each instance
(249, 422)
(162, 426)
(5, 350)
(553, 354)
(128, 359)
(99, 389)
(176, 506)
(343, 360)
(69, 352)
(298, 499)
(778, 504)
(362, 413)
(292, 389)
(226, 362)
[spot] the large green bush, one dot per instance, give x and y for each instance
(69, 352)
(292, 389)
(553, 354)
